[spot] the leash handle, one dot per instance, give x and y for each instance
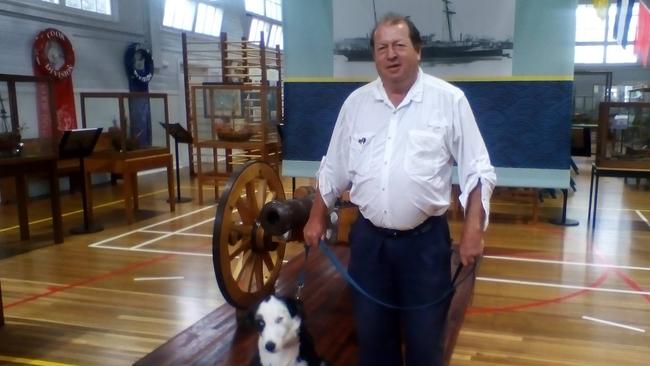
(302, 274)
(339, 267)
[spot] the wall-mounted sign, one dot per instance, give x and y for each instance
(54, 57)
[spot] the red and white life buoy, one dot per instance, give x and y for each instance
(53, 53)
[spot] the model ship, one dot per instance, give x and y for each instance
(358, 48)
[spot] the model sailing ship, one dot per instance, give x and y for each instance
(358, 48)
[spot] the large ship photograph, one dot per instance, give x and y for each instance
(449, 46)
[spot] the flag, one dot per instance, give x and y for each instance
(601, 7)
(642, 42)
(622, 21)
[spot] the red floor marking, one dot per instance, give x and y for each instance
(512, 308)
(54, 289)
(630, 282)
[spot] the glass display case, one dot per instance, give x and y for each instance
(134, 124)
(27, 116)
(232, 124)
(624, 135)
(235, 113)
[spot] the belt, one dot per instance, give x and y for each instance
(425, 226)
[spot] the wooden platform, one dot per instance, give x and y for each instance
(217, 340)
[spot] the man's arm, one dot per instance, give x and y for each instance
(315, 228)
(471, 241)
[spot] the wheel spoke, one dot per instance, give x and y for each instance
(259, 274)
(240, 246)
(251, 196)
(268, 261)
(251, 274)
(247, 216)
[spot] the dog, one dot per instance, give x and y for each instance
(283, 337)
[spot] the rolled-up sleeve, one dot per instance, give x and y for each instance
(333, 177)
(472, 157)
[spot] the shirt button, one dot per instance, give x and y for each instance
(389, 137)
(383, 189)
(385, 162)
(385, 211)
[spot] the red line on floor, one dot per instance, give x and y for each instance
(54, 289)
(630, 282)
(515, 307)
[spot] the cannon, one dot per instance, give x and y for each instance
(254, 223)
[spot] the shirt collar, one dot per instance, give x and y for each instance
(414, 94)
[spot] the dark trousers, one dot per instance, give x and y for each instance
(404, 268)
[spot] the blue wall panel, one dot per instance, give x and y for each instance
(525, 124)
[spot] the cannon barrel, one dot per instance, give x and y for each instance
(279, 217)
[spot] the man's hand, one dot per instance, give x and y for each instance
(471, 246)
(314, 230)
(315, 227)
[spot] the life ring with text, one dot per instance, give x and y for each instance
(53, 53)
(138, 63)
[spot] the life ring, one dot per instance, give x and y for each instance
(138, 63)
(53, 53)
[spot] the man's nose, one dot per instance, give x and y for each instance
(391, 52)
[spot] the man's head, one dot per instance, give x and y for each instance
(396, 45)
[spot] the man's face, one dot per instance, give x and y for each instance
(395, 56)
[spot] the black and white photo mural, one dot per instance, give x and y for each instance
(461, 38)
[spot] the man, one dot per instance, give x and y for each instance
(394, 144)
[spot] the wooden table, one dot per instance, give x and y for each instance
(29, 163)
(599, 171)
(128, 165)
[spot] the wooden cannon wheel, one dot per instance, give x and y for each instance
(247, 261)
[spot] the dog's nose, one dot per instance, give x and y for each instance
(270, 346)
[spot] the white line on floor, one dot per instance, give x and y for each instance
(549, 261)
(160, 251)
(642, 217)
(158, 278)
(544, 284)
(175, 233)
(613, 324)
(149, 226)
(170, 234)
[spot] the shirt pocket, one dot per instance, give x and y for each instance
(360, 157)
(425, 154)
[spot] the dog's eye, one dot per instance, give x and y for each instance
(279, 320)
(260, 324)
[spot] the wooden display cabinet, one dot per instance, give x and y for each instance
(624, 135)
(133, 139)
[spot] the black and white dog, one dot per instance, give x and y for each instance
(283, 337)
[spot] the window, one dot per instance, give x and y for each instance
(267, 18)
(595, 43)
(266, 8)
(190, 15)
(94, 6)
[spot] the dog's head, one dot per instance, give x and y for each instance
(277, 320)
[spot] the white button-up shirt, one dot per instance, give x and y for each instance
(397, 161)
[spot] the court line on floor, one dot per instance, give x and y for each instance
(553, 285)
(516, 307)
(145, 243)
(638, 212)
(175, 233)
(99, 243)
(49, 219)
(572, 263)
(607, 322)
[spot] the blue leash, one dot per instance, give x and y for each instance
(339, 267)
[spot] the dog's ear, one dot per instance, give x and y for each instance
(295, 307)
(249, 320)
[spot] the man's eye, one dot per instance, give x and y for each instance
(279, 320)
